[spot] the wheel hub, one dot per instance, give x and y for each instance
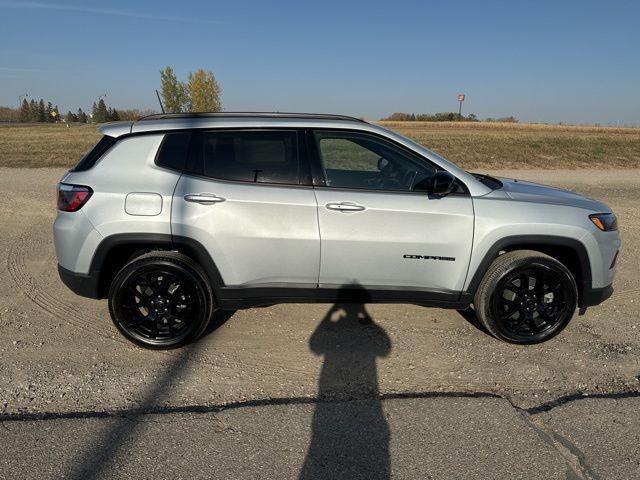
(160, 304)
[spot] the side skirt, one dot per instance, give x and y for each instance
(239, 297)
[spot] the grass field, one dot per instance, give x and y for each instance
(471, 145)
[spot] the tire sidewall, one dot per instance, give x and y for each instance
(487, 291)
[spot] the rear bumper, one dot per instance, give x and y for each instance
(595, 296)
(85, 285)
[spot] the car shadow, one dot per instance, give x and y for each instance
(350, 435)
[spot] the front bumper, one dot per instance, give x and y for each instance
(595, 296)
(85, 285)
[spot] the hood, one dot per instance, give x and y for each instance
(534, 192)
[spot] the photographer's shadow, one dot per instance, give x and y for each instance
(350, 436)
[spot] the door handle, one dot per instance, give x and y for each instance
(203, 198)
(345, 207)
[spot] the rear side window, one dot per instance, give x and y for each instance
(93, 155)
(260, 156)
(174, 150)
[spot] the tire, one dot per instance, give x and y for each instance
(526, 297)
(161, 300)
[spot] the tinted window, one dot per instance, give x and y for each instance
(356, 160)
(174, 150)
(92, 156)
(263, 157)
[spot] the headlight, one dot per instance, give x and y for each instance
(604, 221)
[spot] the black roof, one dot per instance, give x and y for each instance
(308, 116)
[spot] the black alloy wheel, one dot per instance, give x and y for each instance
(530, 302)
(160, 302)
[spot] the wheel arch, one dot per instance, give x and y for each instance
(115, 251)
(569, 251)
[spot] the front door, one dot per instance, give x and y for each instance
(379, 226)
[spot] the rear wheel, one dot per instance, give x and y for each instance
(526, 297)
(161, 300)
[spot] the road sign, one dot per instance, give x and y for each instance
(461, 97)
(54, 114)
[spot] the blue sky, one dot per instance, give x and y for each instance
(551, 61)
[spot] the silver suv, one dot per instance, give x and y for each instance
(177, 215)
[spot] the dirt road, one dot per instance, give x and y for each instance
(62, 361)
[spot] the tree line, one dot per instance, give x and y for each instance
(200, 92)
(32, 111)
(443, 117)
(40, 111)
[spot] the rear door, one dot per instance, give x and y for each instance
(379, 226)
(244, 198)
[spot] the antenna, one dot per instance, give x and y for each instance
(159, 101)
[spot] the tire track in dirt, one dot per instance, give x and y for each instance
(30, 242)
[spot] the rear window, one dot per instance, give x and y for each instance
(174, 150)
(93, 155)
(259, 157)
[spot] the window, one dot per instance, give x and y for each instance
(260, 156)
(93, 155)
(174, 150)
(358, 160)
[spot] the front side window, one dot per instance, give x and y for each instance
(260, 156)
(359, 160)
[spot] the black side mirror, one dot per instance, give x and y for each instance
(443, 183)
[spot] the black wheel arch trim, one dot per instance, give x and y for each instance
(161, 240)
(529, 241)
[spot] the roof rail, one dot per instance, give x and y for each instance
(319, 116)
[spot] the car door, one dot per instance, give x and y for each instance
(379, 226)
(242, 199)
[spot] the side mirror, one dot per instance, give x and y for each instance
(382, 163)
(443, 183)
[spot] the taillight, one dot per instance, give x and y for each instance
(71, 198)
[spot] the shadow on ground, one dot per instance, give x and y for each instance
(96, 458)
(349, 439)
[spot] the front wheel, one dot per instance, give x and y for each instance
(161, 300)
(526, 297)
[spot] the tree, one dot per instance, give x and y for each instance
(100, 112)
(42, 112)
(25, 113)
(33, 111)
(174, 93)
(82, 117)
(47, 112)
(204, 92)
(71, 117)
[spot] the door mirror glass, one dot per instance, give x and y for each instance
(443, 183)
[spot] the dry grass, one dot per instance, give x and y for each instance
(44, 145)
(475, 145)
(472, 145)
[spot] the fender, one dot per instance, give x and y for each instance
(530, 241)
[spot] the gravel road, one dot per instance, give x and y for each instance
(446, 400)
